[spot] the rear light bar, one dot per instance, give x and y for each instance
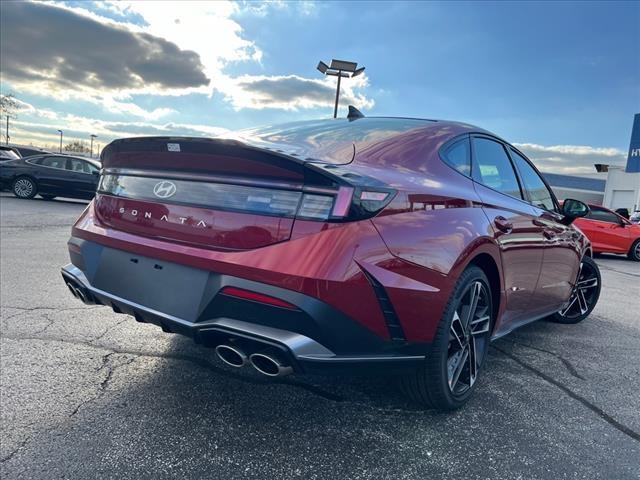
(347, 203)
(257, 297)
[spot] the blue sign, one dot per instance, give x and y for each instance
(633, 160)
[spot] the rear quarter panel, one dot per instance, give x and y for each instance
(434, 228)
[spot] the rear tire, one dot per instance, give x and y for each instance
(585, 294)
(24, 187)
(634, 251)
(449, 374)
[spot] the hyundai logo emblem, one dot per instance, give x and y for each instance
(164, 189)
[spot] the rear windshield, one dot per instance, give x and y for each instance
(330, 141)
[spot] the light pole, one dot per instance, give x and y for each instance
(91, 151)
(339, 68)
(60, 140)
(6, 137)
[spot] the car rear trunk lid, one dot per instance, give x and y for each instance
(219, 194)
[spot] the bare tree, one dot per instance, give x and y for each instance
(77, 146)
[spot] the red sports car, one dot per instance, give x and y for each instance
(610, 233)
(386, 245)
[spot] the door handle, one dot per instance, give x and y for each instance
(538, 223)
(549, 234)
(503, 224)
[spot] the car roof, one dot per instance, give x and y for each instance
(329, 140)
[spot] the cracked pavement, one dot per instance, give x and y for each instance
(86, 393)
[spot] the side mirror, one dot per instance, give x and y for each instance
(572, 209)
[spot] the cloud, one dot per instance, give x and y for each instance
(106, 53)
(570, 159)
(39, 128)
(64, 52)
(304, 8)
(291, 92)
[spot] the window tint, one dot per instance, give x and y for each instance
(54, 162)
(458, 157)
(34, 160)
(603, 216)
(79, 166)
(492, 167)
(538, 192)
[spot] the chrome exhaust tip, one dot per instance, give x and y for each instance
(232, 356)
(72, 289)
(80, 294)
(269, 365)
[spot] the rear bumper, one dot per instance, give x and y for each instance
(186, 300)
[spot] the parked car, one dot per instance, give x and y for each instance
(30, 151)
(50, 176)
(385, 245)
(610, 232)
(8, 153)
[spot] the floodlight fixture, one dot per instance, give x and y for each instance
(358, 72)
(342, 65)
(340, 69)
(323, 67)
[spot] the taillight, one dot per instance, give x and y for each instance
(349, 203)
(257, 297)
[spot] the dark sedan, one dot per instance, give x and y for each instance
(50, 176)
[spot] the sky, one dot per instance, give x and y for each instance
(559, 80)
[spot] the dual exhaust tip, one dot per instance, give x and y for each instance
(77, 292)
(265, 363)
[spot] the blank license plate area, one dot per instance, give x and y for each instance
(162, 286)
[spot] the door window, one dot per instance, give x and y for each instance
(79, 166)
(603, 216)
(54, 162)
(492, 167)
(536, 189)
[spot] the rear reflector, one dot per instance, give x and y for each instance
(257, 297)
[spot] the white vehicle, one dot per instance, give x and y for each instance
(8, 153)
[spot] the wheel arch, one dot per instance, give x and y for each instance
(489, 266)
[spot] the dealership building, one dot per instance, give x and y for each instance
(612, 186)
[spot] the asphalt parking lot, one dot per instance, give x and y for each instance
(86, 393)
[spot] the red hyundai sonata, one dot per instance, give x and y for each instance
(387, 245)
(611, 233)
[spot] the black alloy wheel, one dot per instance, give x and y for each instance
(450, 371)
(634, 251)
(584, 296)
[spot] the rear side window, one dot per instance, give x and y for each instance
(54, 162)
(538, 192)
(80, 166)
(492, 167)
(458, 156)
